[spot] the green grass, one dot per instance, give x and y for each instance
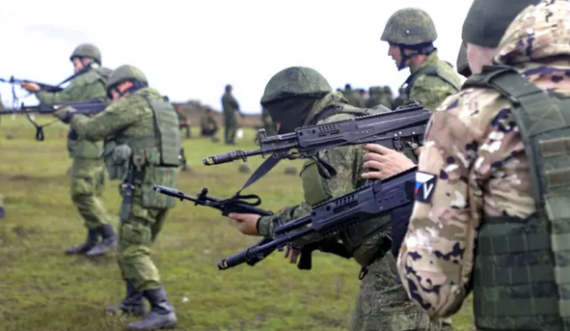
(42, 289)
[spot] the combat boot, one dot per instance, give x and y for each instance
(109, 241)
(161, 314)
(133, 303)
(90, 242)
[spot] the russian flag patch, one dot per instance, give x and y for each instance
(425, 186)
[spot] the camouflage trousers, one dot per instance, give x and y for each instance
(136, 236)
(87, 185)
(383, 304)
(230, 129)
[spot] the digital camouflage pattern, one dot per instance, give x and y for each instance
(382, 303)
(129, 120)
(351, 97)
(296, 81)
(88, 51)
(230, 108)
(124, 73)
(474, 148)
(431, 90)
(377, 97)
(409, 26)
(87, 169)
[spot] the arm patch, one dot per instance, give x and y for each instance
(425, 186)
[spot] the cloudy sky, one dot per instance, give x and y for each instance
(190, 49)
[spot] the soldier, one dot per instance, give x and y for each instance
(126, 126)
(268, 125)
(230, 107)
(183, 121)
(87, 171)
(350, 96)
(300, 96)
(401, 99)
(375, 97)
(411, 33)
(496, 159)
(388, 96)
(209, 126)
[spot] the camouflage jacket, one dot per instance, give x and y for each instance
(89, 86)
(360, 240)
(474, 150)
(431, 90)
(229, 104)
(208, 122)
(126, 118)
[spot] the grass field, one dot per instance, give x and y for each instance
(42, 289)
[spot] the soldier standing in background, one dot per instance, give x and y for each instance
(401, 99)
(87, 170)
(183, 121)
(350, 96)
(410, 33)
(230, 107)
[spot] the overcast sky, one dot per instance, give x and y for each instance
(190, 49)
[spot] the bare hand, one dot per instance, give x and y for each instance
(30, 87)
(246, 223)
(384, 162)
(292, 254)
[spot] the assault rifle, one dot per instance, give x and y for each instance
(44, 87)
(81, 107)
(334, 215)
(238, 205)
(393, 130)
(88, 108)
(227, 207)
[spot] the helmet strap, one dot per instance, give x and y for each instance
(420, 49)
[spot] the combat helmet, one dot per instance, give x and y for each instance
(462, 62)
(290, 95)
(124, 73)
(487, 20)
(410, 28)
(295, 81)
(87, 50)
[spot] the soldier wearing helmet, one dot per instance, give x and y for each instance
(87, 170)
(299, 96)
(496, 158)
(410, 34)
(142, 142)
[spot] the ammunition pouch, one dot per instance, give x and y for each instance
(117, 160)
(165, 176)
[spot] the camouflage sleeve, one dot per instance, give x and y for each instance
(430, 91)
(114, 118)
(347, 162)
(70, 93)
(435, 260)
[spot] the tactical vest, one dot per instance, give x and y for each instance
(429, 71)
(521, 278)
(316, 192)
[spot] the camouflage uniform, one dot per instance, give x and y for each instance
(434, 80)
(401, 99)
(208, 126)
(230, 107)
(87, 170)
(351, 97)
(483, 197)
(183, 122)
(376, 98)
(130, 121)
(382, 302)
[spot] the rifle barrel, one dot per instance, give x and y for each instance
(230, 157)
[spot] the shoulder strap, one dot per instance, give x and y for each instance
(536, 112)
(429, 71)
